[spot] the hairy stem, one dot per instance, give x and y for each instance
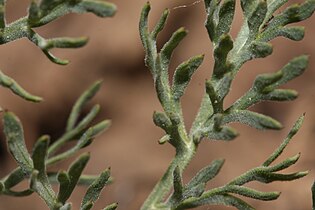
(162, 188)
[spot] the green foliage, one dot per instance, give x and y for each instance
(35, 166)
(265, 173)
(45, 11)
(8, 82)
(40, 13)
(261, 25)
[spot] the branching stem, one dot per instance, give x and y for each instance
(162, 188)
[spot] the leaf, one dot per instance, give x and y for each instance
(293, 69)
(262, 81)
(266, 177)
(183, 75)
(84, 141)
(251, 193)
(10, 83)
(99, 8)
(145, 38)
(111, 206)
(162, 120)
(221, 51)
(203, 114)
(226, 15)
(195, 191)
(85, 180)
(219, 132)
(22, 193)
(220, 15)
(64, 42)
(224, 199)
(253, 119)
(295, 33)
(64, 182)
(256, 18)
(78, 131)
(39, 179)
(13, 131)
(81, 102)
(281, 95)
(273, 5)
(206, 174)
(47, 5)
(95, 189)
(265, 85)
(160, 25)
(284, 164)
(169, 47)
(52, 10)
(248, 7)
(224, 85)
(292, 14)
(33, 13)
(297, 125)
(40, 154)
(71, 178)
(214, 98)
(211, 21)
(226, 134)
(89, 118)
(260, 49)
(15, 177)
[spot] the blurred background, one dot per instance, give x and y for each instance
(114, 54)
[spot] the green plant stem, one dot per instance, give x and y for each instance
(16, 30)
(162, 188)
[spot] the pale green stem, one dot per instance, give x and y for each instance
(162, 188)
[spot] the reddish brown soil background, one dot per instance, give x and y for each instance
(130, 147)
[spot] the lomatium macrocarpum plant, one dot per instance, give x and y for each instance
(262, 23)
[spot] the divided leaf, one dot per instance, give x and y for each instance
(220, 15)
(39, 179)
(264, 87)
(292, 14)
(260, 26)
(13, 131)
(41, 13)
(68, 180)
(94, 190)
(85, 140)
(183, 75)
(47, 11)
(253, 119)
(220, 199)
(81, 102)
(206, 174)
(10, 83)
(297, 125)
(221, 51)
